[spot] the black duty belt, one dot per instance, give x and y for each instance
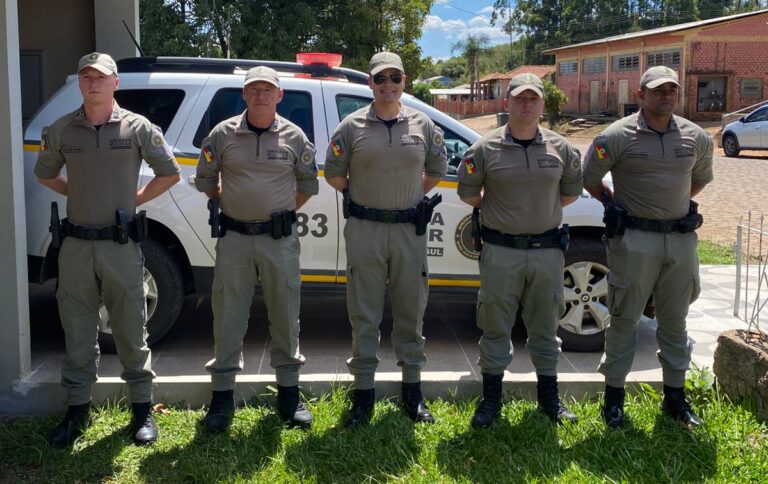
(101, 232)
(384, 216)
(664, 227)
(252, 228)
(546, 240)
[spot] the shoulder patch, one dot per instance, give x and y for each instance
(44, 140)
(437, 138)
(601, 148)
(337, 146)
(307, 157)
(208, 154)
(575, 164)
(469, 165)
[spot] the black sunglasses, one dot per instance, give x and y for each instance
(379, 79)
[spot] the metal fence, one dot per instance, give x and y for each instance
(751, 299)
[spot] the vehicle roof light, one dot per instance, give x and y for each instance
(323, 58)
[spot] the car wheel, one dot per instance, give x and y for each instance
(582, 327)
(730, 145)
(163, 290)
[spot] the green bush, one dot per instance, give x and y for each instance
(554, 100)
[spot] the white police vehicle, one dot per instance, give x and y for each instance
(749, 132)
(187, 97)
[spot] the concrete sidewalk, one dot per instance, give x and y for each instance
(451, 347)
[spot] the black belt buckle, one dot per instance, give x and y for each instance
(389, 217)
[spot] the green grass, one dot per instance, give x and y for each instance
(521, 447)
(716, 253)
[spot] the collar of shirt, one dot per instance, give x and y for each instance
(242, 124)
(642, 124)
(371, 116)
(506, 137)
(115, 117)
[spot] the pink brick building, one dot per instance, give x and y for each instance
(722, 63)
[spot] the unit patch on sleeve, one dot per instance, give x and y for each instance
(44, 140)
(208, 154)
(469, 164)
(601, 151)
(337, 146)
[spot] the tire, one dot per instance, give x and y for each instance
(731, 146)
(582, 327)
(164, 290)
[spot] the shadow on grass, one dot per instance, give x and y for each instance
(668, 453)
(528, 449)
(244, 450)
(374, 452)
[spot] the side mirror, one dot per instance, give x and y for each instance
(743, 119)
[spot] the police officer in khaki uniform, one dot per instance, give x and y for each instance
(521, 176)
(387, 156)
(262, 168)
(658, 161)
(102, 146)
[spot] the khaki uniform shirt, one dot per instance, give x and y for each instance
(651, 173)
(259, 174)
(521, 187)
(385, 166)
(102, 164)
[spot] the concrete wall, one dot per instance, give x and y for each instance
(111, 36)
(62, 30)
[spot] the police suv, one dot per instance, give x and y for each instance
(187, 97)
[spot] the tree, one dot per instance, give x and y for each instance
(471, 49)
(554, 100)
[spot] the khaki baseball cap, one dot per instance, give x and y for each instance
(656, 76)
(262, 73)
(103, 63)
(525, 82)
(385, 60)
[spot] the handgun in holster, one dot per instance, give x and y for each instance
(615, 217)
(121, 227)
(424, 211)
(281, 224)
(214, 219)
(140, 227)
(477, 239)
(345, 203)
(55, 227)
(693, 219)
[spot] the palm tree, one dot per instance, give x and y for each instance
(471, 48)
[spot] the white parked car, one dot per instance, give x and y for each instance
(749, 132)
(187, 97)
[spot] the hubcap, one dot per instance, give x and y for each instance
(586, 290)
(150, 295)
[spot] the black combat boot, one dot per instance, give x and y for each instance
(143, 427)
(414, 404)
(220, 412)
(676, 406)
(613, 407)
(362, 407)
(290, 408)
(490, 406)
(549, 401)
(71, 427)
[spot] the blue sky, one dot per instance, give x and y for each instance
(450, 21)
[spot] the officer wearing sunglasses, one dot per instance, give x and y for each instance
(385, 158)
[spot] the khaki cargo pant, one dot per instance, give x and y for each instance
(510, 278)
(89, 272)
(242, 261)
(643, 263)
(383, 257)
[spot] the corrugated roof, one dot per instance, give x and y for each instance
(491, 77)
(660, 30)
(539, 70)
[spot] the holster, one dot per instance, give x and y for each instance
(140, 227)
(477, 239)
(424, 211)
(55, 226)
(281, 224)
(214, 219)
(564, 237)
(614, 217)
(122, 234)
(692, 221)
(345, 203)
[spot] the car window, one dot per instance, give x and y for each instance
(157, 105)
(295, 106)
(759, 115)
(455, 145)
(347, 105)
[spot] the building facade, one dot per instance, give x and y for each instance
(722, 63)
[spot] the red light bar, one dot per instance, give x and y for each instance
(324, 58)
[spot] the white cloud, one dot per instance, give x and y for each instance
(479, 21)
(453, 28)
(485, 10)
